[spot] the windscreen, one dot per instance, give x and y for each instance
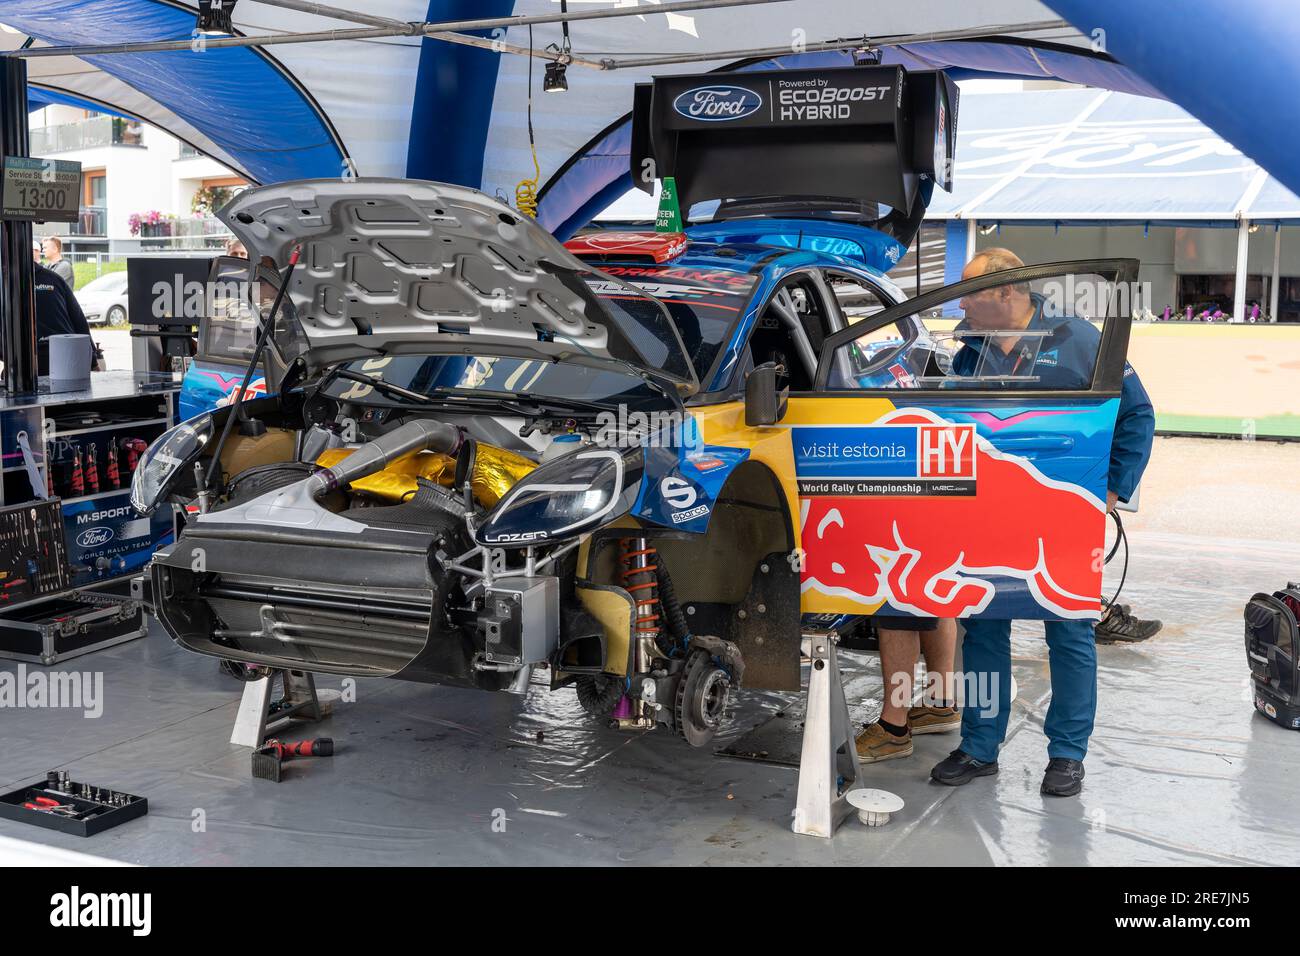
(704, 304)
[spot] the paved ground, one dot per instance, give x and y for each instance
(1180, 769)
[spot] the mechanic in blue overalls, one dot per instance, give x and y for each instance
(1063, 359)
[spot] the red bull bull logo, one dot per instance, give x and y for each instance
(940, 561)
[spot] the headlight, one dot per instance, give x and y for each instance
(166, 460)
(565, 498)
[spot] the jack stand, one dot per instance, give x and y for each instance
(301, 702)
(828, 764)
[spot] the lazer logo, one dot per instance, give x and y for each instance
(518, 536)
(94, 537)
(717, 104)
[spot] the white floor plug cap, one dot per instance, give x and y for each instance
(874, 806)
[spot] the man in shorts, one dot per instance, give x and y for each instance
(902, 640)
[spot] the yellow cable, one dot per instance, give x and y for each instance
(526, 190)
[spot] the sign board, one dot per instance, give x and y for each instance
(41, 190)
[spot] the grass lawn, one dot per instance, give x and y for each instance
(86, 272)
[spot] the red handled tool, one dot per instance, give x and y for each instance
(268, 760)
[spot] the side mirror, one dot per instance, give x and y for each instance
(765, 403)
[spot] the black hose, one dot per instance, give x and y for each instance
(1120, 536)
(671, 606)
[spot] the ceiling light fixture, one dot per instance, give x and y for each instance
(214, 18)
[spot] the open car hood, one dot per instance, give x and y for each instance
(392, 266)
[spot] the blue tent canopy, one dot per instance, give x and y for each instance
(426, 108)
(420, 106)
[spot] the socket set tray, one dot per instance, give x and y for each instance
(57, 803)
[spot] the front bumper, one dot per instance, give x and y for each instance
(313, 602)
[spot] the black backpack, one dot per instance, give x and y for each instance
(1273, 654)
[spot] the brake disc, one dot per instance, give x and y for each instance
(701, 701)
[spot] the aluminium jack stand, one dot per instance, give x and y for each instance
(828, 764)
(255, 719)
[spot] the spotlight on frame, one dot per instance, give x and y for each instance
(214, 18)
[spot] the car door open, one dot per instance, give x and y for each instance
(952, 460)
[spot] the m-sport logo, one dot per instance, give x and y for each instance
(717, 104)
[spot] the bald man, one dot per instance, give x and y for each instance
(1062, 359)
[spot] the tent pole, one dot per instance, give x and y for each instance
(17, 282)
(972, 230)
(368, 33)
(874, 43)
(1277, 272)
(334, 13)
(1239, 287)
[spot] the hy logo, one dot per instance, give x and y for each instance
(718, 104)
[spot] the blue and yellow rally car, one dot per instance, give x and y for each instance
(634, 463)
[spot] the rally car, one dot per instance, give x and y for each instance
(633, 463)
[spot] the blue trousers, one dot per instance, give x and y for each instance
(986, 660)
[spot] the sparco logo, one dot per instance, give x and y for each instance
(94, 537)
(717, 104)
(107, 514)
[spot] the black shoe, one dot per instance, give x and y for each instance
(960, 767)
(1119, 626)
(1064, 777)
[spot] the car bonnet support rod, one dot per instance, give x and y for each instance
(264, 336)
(416, 29)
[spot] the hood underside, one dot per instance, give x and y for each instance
(393, 266)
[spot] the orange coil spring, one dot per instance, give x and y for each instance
(640, 580)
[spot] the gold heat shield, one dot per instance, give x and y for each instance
(398, 480)
(495, 472)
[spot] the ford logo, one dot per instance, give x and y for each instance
(717, 104)
(94, 537)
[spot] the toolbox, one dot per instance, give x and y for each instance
(56, 803)
(50, 630)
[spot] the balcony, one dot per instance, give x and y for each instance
(86, 134)
(92, 222)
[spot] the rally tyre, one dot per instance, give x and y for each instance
(599, 695)
(702, 697)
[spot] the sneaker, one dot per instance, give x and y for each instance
(1119, 626)
(1064, 777)
(960, 767)
(933, 720)
(875, 743)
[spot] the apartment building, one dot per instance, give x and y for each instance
(139, 184)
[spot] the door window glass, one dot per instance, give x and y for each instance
(1025, 334)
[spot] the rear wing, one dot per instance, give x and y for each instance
(870, 134)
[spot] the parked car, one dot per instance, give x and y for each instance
(104, 299)
(635, 465)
